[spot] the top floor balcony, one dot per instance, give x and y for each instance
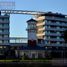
(56, 18)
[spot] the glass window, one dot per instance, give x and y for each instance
(53, 42)
(1, 47)
(0, 36)
(52, 31)
(58, 42)
(6, 25)
(58, 37)
(31, 26)
(0, 41)
(2, 19)
(5, 41)
(53, 37)
(0, 31)
(0, 25)
(5, 35)
(5, 30)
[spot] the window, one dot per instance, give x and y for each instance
(53, 26)
(5, 30)
(0, 41)
(6, 19)
(53, 42)
(6, 41)
(52, 31)
(33, 55)
(31, 26)
(58, 32)
(0, 36)
(57, 37)
(6, 36)
(2, 19)
(39, 41)
(58, 42)
(0, 31)
(53, 37)
(58, 22)
(6, 25)
(61, 42)
(1, 46)
(0, 25)
(53, 21)
(61, 37)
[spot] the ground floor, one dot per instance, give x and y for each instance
(30, 53)
(40, 54)
(21, 52)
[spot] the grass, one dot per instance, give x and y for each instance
(17, 60)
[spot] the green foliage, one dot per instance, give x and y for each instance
(65, 36)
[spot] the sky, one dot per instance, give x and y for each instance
(18, 23)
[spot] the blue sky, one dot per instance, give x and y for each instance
(18, 22)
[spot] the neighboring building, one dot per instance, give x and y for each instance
(4, 34)
(4, 29)
(32, 50)
(31, 30)
(50, 27)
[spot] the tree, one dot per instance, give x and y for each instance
(65, 36)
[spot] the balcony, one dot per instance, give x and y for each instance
(59, 45)
(56, 24)
(6, 32)
(56, 29)
(4, 38)
(54, 39)
(55, 18)
(6, 21)
(4, 27)
(53, 34)
(18, 40)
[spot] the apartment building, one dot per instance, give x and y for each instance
(4, 28)
(50, 27)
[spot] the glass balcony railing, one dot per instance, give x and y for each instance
(18, 40)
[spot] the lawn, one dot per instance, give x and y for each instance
(30, 60)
